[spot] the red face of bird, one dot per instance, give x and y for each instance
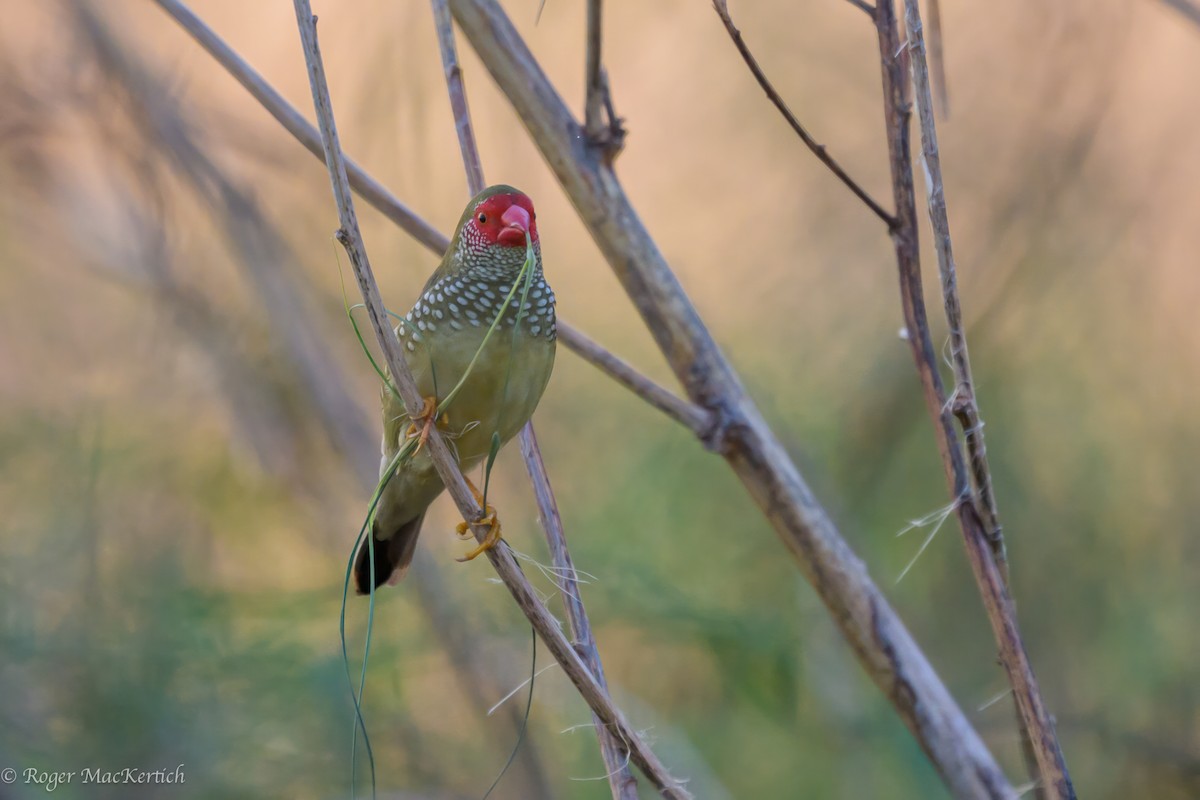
(502, 220)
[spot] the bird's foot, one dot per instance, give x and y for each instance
(489, 518)
(423, 423)
(493, 535)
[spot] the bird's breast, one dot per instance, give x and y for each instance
(493, 372)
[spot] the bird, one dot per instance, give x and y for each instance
(440, 337)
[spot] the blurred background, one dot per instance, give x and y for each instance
(188, 428)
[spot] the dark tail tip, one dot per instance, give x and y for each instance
(383, 566)
(390, 554)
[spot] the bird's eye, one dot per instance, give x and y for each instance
(482, 219)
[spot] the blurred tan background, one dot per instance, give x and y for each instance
(187, 424)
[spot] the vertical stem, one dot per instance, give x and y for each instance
(612, 749)
(980, 538)
(458, 98)
(614, 752)
(593, 106)
(962, 401)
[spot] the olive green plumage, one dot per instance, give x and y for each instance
(439, 337)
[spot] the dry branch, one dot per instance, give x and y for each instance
(980, 523)
(614, 752)
(500, 557)
(876, 634)
(390, 206)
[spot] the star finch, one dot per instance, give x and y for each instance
(440, 336)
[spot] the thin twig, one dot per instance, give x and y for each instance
(877, 636)
(472, 164)
(702, 423)
(818, 149)
(614, 752)
(971, 516)
(500, 557)
(386, 203)
(1035, 722)
(612, 747)
(962, 401)
(593, 102)
(608, 136)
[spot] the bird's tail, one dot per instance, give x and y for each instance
(393, 554)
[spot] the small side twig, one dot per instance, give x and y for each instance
(614, 752)
(500, 557)
(389, 205)
(819, 150)
(608, 136)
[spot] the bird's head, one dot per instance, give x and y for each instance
(499, 216)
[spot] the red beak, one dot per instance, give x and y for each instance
(516, 223)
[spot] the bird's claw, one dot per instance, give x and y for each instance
(493, 537)
(427, 417)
